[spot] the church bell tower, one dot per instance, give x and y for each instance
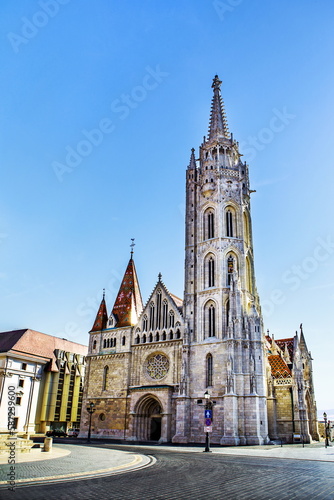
(223, 352)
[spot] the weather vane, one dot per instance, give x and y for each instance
(132, 245)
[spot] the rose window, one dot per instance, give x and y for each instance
(157, 366)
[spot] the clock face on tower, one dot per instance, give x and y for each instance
(156, 366)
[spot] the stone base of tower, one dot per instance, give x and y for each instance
(230, 441)
(182, 412)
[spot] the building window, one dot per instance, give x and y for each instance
(171, 319)
(171, 336)
(164, 314)
(18, 401)
(152, 316)
(104, 343)
(102, 417)
(94, 344)
(150, 339)
(157, 337)
(144, 339)
(145, 323)
(211, 272)
(21, 382)
(123, 340)
(229, 224)
(209, 223)
(164, 336)
(230, 269)
(105, 378)
(24, 366)
(158, 322)
(209, 370)
(137, 339)
(210, 320)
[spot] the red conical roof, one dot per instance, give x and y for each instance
(128, 303)
(101, 318)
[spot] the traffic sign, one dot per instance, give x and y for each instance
(208, 421)
(208, 414)
(208, 429)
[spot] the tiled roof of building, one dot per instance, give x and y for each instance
(128, 304)
(38, 344)
(101, 319)
(279, 368)
(286, 342)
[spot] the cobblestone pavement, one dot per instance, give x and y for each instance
(192, 475)
(79, 461)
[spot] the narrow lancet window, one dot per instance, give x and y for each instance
(209, 370)
(211, 272)
(229, 224)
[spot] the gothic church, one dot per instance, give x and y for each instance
(150, 365)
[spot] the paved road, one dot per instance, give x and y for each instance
(197, 476)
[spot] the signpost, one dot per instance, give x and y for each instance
(207, 421)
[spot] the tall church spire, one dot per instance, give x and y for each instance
(218, 124)
(128, 304)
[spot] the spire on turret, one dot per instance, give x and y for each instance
(192, 163)
(128, 304)
(218, 124)
(101, 319)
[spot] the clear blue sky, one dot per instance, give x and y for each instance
(141, 72)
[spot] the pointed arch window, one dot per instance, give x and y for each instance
(209, 370)
(209, 224)
(94, 344)
(137, 339)
(105, 378)
(171, 319)
(145, 323)
(152, 311)
(158, 310)
(229, 224)
(210, 320)
(164, 314)
(230, 269)
(211, 271)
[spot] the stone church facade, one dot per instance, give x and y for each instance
(150, 365)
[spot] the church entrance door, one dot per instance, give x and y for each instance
(155, 434)
(149, 419)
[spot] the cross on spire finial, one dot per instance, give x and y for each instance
(132, 246)
(104, 293)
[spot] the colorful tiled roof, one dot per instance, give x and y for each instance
(286, 342)
(279, 368)
(101, 319)
(128, 304)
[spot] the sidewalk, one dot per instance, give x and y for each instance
(70, 461)
(79, 461)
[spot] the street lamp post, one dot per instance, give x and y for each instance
(326, 430)
(90, 409)
(208, 419)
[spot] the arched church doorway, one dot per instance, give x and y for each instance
(149, 416)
